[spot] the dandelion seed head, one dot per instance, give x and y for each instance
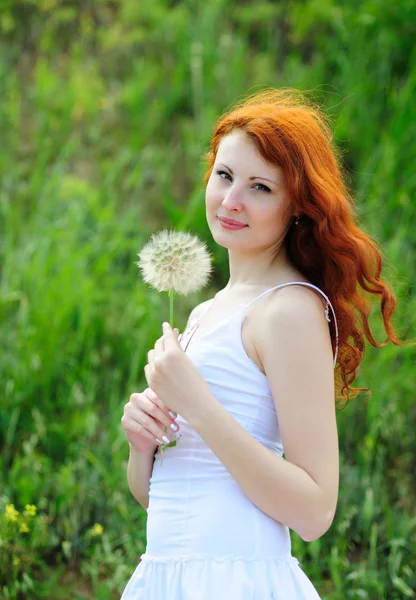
(176, 261)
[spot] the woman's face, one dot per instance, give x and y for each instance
(247, 189)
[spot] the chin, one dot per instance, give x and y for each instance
(218, 236)
(227, 242)
(220, 240)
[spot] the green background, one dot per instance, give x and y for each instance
(106, 110)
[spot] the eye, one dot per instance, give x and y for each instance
(260, 186)
(221, 173)
(264, 188)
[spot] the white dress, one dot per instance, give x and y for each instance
(205, 539)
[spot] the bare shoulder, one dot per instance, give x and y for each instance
(199, 310)
(294, 311)
(295, 296)
(286, 305)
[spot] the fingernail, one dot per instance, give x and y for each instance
(159, 441)
(174, 426)
(166, 439)
(171, 414)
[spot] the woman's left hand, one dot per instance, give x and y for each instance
(174, 378)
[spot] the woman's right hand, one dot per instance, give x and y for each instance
(144, 420)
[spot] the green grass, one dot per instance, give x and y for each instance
(106, 109)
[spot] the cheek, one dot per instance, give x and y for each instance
(272, 216)
(211, 194)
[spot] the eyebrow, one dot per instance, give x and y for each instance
(250, 178)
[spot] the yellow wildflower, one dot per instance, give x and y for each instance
(97, 529)
(30, 510)
(11, 512)
(24, 528)
(16, 561)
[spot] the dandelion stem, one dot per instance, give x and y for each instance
(171, 294)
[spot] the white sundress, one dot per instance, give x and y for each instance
(205, 539)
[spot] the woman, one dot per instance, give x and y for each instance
(252, 377)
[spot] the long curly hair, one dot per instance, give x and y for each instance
(327, 245)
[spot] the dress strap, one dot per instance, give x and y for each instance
(328, 305)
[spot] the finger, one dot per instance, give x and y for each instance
(161, 433)
(159, 349)
(158, 421)
(169, 336)
(147, 374)
(141, 412)
(149, 393)
(153, 434)
(160, 345)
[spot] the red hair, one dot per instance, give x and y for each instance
(327, 245)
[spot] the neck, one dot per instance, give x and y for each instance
(257, 271)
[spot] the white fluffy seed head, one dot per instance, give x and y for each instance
(175, 261)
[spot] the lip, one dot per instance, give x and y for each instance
(231, 223)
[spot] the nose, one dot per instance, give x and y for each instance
(231, 200)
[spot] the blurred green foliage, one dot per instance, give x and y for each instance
(106, 110)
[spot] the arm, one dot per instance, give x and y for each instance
(140, 465)
(301, 490)
(139, 472)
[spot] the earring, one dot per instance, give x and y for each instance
(297, 220)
